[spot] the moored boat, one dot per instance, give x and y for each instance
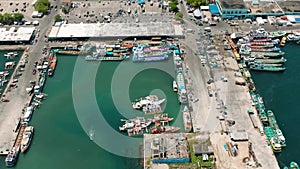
(283, 41)
(267, 54)
(12, 156)
(261, 67)
(164, 129)
(276, 34)
(52, 62)
(281, 60)
(67, 52)
(175, 87)
(26, 139)
(276, 147)
(294, 165)
(274, 49)
(149, 104)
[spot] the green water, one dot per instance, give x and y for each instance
(281, 93)
(59, 139)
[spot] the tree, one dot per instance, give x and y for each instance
(18, 17)
(1, 18)
(64, 10)
(197, 3)
(173, 7)
(57, 18)
(179, 16)
(42, 6)
(7, 18)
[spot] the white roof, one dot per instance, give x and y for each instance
(22, 34)
(204, 7)
(116, 30)
(291, 18)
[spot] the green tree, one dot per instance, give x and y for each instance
(179, 16)
(18, 17)
(7, 18)
(57, 18)
(42, 6)
(197, 3)
(1, 18)
(64, 10)
(173, 7)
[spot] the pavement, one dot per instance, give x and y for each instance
(10, 112)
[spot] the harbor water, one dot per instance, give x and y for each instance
(280, 92)
(60, 140)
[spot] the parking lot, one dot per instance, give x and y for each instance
(17, 6)
(108, 11)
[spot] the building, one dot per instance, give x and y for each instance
(22, 35)
(112, 31)
(202, 148)
(239, 135)
(232, 9)
(166, 148)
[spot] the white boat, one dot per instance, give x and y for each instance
(126, 126)
(26, 139)
(28, 114)
(175, 86)
(40, 96)
(91, 134)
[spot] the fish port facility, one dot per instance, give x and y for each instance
(209, 93)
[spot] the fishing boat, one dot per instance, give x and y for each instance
(148, 100)
(265, 44)
(262, 46)
(28, 114)
(26, 139)
(266, 64)
(267, 54)
(293, 37)
(136, 122)
(280, 136)
(294, 165)
(161, 119)
(283, 41)
(126, 126)
(187, 120)
(274, 49)
(149, 54)
(276, 146)
(11, 55)
(260, 33)
(52, 61)
(251, 39)
(276, 34)
(182, 93)
(164, 129)
(281, 60)
(67, 52)
(12, 156)
(261, 67)
(175, 87)
(106, 58)
(136, 131)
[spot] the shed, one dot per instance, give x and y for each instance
(202, 148)
(204, 8)
(197, 13)
(214, 10)
(239, 135)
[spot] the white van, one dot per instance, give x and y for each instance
(207, 29)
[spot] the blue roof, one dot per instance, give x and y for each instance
(141, 2)
(176, 51)
(214, 10)
(297, 19)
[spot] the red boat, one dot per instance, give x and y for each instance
(164, 129)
